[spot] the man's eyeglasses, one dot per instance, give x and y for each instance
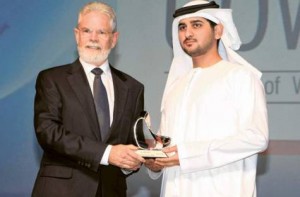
(100, 33)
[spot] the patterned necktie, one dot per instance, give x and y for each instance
(101, 103)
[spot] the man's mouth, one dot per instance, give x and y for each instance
(96, 47)
(189, 41)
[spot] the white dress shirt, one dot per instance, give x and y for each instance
(106, 77)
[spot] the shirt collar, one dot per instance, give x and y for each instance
(89, 67)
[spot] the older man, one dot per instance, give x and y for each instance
(84, 115)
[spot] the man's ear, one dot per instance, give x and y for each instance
(115, 39)
(218, 31)
(76, 33)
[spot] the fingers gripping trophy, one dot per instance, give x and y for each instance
(150, 144)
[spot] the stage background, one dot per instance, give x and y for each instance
(36, 34)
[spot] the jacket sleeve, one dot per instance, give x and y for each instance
(50, 120)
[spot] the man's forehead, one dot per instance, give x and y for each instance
(192, 19)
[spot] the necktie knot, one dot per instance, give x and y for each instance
(97, 71)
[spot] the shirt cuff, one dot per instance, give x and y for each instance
(154, 175)
(125, 171)
(104, 160)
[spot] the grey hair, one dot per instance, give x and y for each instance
(101, 7)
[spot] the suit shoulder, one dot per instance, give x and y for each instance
(126, 77)
(55, 69)
(56, 73)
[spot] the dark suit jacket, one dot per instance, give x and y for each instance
(67, 129)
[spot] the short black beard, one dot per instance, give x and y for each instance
(198, 51)
(195, 53)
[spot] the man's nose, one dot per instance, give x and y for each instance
(94, 36)
(189, 33)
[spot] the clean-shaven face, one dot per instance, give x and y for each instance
(94, 37)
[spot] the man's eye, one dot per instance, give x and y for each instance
(86, 31)
(101, 32)
(196, 25)
(180, 28)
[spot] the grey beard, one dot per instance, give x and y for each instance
(96, 59)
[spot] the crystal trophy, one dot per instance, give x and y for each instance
(150, 144)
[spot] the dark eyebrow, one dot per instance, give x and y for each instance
(179, 24)
(192, 21)
(197, 21)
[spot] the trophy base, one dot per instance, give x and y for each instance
(153, 153)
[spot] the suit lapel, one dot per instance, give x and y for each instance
(121, 91)
(78, 82)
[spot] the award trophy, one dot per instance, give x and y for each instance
(150, 144)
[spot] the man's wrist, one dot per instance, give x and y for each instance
(104, 159)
